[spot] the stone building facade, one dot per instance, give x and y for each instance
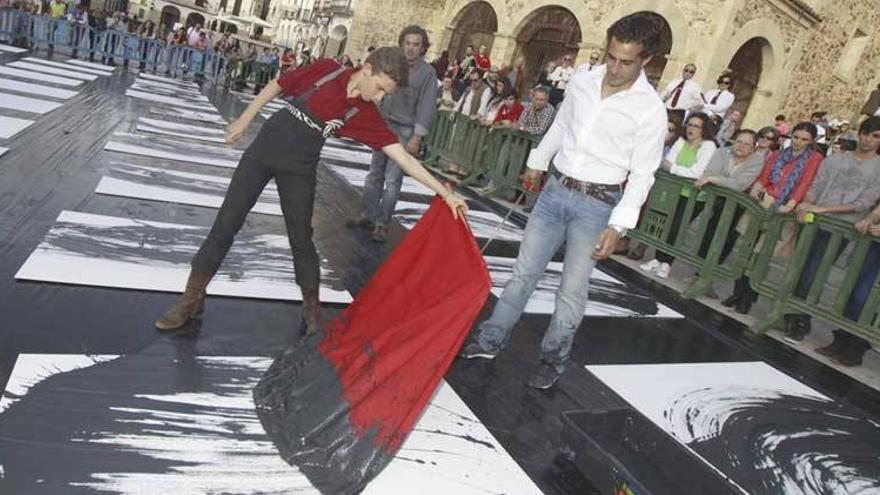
(788, 56)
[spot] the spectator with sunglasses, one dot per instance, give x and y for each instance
(683, 95)
(716, 102)
(768, 140)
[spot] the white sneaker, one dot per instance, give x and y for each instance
(650, 266)
(663, 270)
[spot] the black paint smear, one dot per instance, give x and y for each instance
(148, 244)
(466, 438)
(772, 443)
(302, 406)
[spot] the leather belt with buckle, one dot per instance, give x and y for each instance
(598, 191)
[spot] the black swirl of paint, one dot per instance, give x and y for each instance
(772, 443)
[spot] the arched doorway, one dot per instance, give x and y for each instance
(475, 25)
(336, 43)
(546, 35)
(654, 69)
(169, 17)
(747, 66)
(195, 18)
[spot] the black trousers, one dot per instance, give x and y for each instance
(732, 234)
(677, 217)
(287, 151)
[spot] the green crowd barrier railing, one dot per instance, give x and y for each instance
(826, 243)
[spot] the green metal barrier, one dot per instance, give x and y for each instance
(830, 289)
(657, 218)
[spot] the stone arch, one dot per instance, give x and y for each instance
(474, 24)
(678, 27)
(169, 16)
(195, 18)
(765, 98)
(546, 34)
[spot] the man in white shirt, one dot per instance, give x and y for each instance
(595, 61)
(683, 95)
(559, 79)
(610, 129)
(476, 97)
(717, 101)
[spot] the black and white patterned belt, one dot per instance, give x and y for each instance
(326, 130)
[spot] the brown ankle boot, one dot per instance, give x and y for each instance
(189, 305)
(311, 312)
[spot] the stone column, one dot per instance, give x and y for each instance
(503, 48)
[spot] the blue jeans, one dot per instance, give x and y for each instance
(560, 215)
(382, 186)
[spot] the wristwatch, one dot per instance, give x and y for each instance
(621, 231)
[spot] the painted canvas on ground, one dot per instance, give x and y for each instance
(484, 224)
(608, 295)
(767, 432)
(103, 251)
(189, 115)
(10, 126)
(188, 426)
(39, 76)
(170, 100)
(93, 65)
(206, 130)
(70, 74)
(25, 104)
(36, 89)
(136, 181)
(61, 65)
(157, 147)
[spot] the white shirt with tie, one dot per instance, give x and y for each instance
(607, 141)
(689, 100)
(722, 103)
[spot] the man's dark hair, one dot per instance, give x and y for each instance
(541, 89)
(644, 28)
(745, 131)
(477, 71)
(871, 124)
(817, 115)
(389, 60)
(808, 127)
(780, 117)
(847, 144)
(413, 29)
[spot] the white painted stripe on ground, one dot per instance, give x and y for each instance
(10, 126)
(36, 89)
(170, 100)
(39, 76)
(25, 104)
(52, 70)
(167, 132)
(61, 65)
(169, 80)
(101, 263)
(92, 65)
(11, 49)
(174, 126)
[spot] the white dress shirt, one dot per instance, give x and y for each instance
(695, 171)
(689, 100)
(607, 141)
(561, 76)
(721, 105)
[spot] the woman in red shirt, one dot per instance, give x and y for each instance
(324, 99)
(782, 185)
(789, 173)
(510, 109)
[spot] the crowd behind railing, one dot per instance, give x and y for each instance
(788, 213)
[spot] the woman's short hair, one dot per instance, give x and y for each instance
(389, 60)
